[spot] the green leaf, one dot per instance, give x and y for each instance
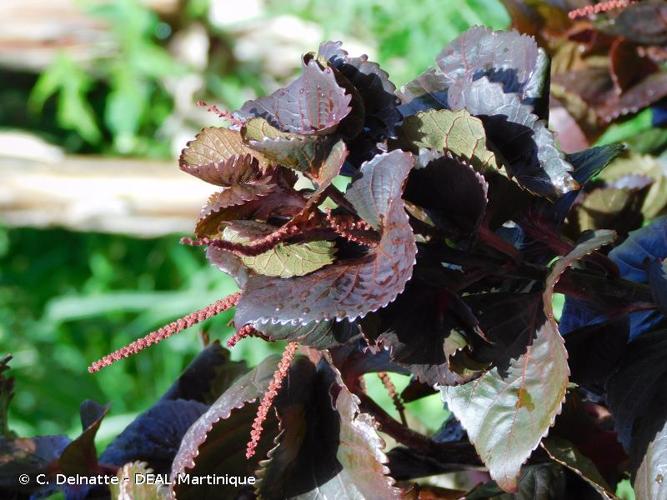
(443, 130)
(506, 417)
(284, 260)
(648, 166)
(300, 152)
(125, 106)
(65, 78)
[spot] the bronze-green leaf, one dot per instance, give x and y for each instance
(285, 260)
(455, 131)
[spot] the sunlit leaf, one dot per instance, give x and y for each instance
(312, 104)
(219, 156)
(354, 287)
(284, 260)
(443, 130)
(134, 484)
(650, 477)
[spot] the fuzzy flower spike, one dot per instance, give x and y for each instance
(166, 331)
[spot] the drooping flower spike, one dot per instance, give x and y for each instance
(166, 331)
(269, 396)
(591, 10)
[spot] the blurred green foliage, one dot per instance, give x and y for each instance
(66, 298)
(408, 35)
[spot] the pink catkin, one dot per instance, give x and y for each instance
(343, 227)
(241, 333)
(270, 394)
(225, 115)
(591, 10)
(166, 331)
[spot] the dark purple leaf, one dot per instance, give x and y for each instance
(228, 263)
(349, 288)
(207, 376)
(277, 202)
(509, 321)
(451, 191)
(642, 95)
(312, 104)
(627, 67)
(356, 358)
(642, 246)
(80, 456)
(563, 452)
(644, 23)
(30, 456)
(511, 59)
(657, 277)
(507, 415)
(636, 395)
(328, 447)
(216, 442)
(526, 145)
(377, 93)
(595, 351)
(155, 435)
(320, 335)
(422, 329)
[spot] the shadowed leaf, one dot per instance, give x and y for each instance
(155, 435)
(207, 376)
(507, 416)
(527, 148)
(216, 442)
(325, 450)
(563, 452)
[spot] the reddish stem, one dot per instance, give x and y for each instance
(224, 114)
